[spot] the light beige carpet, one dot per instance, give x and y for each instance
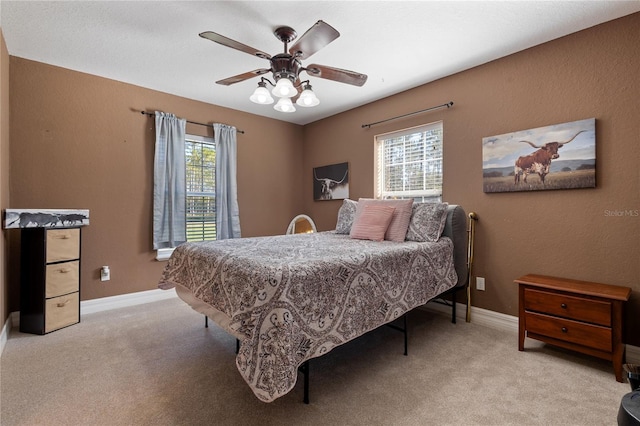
(156, 364)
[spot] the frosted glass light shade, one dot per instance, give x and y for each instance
(308, 98)
(284, 88)
(261, 96)
(284, 105)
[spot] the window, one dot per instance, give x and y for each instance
(408, 163)
(200, 159)
(200, 156)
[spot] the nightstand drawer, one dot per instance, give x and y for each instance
(576, 308)
(63, 244)
(593, 336)
(62, 311)
(62, 278)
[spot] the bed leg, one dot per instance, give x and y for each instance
(206, 321)
(404, 331)
(406, 339)
(453, 306)
(304, 369)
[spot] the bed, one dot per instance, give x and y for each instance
(291, 298)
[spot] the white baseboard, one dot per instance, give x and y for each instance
(633, 354)
(4, 336)
(505, 322)
(124, 300)
(480, 316)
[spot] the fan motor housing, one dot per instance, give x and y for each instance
(285, 65)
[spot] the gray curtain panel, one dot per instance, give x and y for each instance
(227, 212)
(169, 182)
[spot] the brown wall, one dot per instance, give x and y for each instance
(593, 73)
(76, 142)
(4, 172)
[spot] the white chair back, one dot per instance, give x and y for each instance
(301, 224)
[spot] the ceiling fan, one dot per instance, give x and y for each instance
(286, 67)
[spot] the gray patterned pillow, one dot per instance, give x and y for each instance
(345, 216)
(427, 221)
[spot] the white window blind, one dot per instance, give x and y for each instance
(408, 163)
(200, 153)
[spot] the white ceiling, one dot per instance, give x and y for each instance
(398, 44)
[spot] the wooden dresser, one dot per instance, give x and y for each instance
(49, 279)
(577, 315)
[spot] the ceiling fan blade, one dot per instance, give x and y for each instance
(225, 41)
(242, 77)
(336, 74)
(316, 37)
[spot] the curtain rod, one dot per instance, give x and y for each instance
(448, 105)
(152, 114)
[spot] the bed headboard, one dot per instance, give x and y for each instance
(456, 229)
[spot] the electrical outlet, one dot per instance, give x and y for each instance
(480, 283)
(105, 274)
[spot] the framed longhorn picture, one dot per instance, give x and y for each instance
(331, 182)
(561, 156)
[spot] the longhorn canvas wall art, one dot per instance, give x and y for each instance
(331, 182)
(45, 218)
(560, 156)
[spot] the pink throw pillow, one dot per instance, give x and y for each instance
(397, 230)
(372, 223)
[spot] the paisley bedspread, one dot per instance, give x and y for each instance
(291, 298)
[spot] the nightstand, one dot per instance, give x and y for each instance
(579, 315)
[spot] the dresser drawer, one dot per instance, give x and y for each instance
(61, 311)
(576, 308)
(63, 244)
(62, 278)
(590, 335)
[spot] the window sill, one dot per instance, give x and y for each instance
(164, 254)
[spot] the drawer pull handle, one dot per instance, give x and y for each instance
(64, 270)
(63, 304)
(563, 306)
(564, 329)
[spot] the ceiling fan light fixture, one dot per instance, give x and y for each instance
(261, 95)
(287, 66)
(284, 88)
(284, 105)
(307, 98)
